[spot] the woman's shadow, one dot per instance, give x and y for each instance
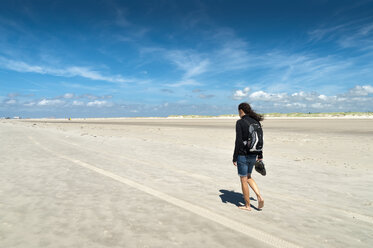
(234, 198)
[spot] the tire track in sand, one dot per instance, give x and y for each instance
(203, 212)
(352, 215)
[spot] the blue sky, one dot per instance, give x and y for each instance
(160, 58)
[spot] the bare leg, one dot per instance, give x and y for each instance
(255, 188)
(246, 194)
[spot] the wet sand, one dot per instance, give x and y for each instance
(171, 183)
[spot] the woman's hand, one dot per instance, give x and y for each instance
(235, 163)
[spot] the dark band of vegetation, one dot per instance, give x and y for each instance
(332, 114)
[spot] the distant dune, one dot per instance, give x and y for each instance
(290, 115)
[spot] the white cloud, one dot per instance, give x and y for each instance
(309, 96)
(89, 96)
(296, 104)
(98, 103)
(323, 97)
(50, 102)
(68, 95)
(78, 103)
(317, 105)
(239, 94)
(359, 98)
(264, 96)
(260, 95)
(11, 101)
(322, 106)
(13, 95)
(361, 90)
(29, 104)
(301, 93)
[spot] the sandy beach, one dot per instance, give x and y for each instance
(171, 183)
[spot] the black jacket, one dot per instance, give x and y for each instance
(242, 133)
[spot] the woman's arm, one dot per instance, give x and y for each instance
(238, 142)
(260, 155)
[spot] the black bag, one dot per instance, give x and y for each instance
(255, 140)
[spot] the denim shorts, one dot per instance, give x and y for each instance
(245, 164)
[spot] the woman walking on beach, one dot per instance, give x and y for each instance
(243, 159)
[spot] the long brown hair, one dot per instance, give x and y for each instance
(249, 111)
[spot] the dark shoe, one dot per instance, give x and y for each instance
(259, 167)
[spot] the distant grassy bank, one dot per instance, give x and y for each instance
(331, 114)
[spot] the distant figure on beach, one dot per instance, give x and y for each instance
(243, 159)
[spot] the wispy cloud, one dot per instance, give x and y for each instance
(190, 62)
(231, 53)
(366, 29)
(205, 96)
(11, 101)
(71, 71)
(121, 19)
(189, 82)
(299, 70)
(326, 32)
(354, 34)
(94, 97)
(62, 101)
(50, 102)
(97, 103)
(228, 53)
(276, 66)
(167, 90)
(82, 86)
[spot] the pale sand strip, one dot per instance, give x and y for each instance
(231, 224)
(357, 216)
